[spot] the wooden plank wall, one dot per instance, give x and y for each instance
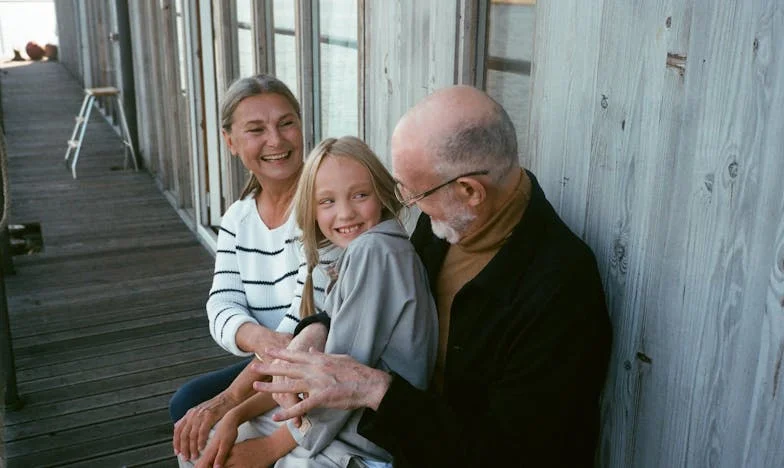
(142, 74)
(656, 131)
(68, 52)
(164, 122)
(409, 53)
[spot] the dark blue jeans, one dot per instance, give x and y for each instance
(203, 388)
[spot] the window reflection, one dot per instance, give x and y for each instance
(339, 60)
(509, 56)
(283, 18)
(245, 40)
(181, 52)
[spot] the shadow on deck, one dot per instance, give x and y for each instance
(108, 320)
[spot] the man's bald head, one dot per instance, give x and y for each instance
(458, 129)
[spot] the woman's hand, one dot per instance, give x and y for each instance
(254, 338)
(273, 340)
(191, 432)
(221, 443)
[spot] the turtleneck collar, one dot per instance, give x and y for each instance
(492, 235)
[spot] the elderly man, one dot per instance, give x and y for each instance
(524, 331)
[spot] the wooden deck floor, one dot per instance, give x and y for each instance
(109, 319)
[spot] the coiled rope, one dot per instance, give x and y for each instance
(4, 180)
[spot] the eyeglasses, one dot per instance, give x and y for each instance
(410, 200)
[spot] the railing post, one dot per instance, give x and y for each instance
(7, 363)
(12, 400)
(6, 257)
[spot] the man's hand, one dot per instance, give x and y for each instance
(312, 337)
(191, 432)
(330, 381)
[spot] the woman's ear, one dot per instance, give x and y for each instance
(472, 191)
(229, 142)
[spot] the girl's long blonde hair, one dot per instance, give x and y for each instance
(305, 200)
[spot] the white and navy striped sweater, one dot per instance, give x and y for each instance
(258, 276)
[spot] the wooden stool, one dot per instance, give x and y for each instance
(75, 142)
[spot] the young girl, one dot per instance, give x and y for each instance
(379, 302)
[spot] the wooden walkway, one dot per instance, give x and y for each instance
(109, 319)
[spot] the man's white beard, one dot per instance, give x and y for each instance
(452, 229)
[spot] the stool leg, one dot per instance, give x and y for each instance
(126, 134)
(79, 121)
(91, 101)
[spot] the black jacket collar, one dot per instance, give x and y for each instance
(505, 265)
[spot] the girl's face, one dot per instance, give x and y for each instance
(346, 204)
(266, 134)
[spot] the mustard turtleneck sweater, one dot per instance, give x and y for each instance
(468, 257)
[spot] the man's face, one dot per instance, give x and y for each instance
(457, 218)
(415, 173)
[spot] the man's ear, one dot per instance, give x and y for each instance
(229, 141)
(472, 191)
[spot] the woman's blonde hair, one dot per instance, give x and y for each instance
(305, 200)
(245, 88)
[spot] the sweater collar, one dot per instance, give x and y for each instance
(499, 227)
(507, 263)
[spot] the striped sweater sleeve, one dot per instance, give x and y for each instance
(292, 317)
(227, 305)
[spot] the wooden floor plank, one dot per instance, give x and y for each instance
(136, 306)
(31, 361)
(125, 382)
(46, 413)
(157, 455)
(87, 433)
(114, 444)
(110, 369)
(89, 417)
(108, 319)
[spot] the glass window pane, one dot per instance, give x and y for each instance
(283, 13)
(244, 12)
(181, 49)
(510, 51)
(245, 40)
(338, 18)
(339, 68)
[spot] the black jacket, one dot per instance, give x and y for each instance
(529, 343)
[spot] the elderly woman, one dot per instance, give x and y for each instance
(257, 257)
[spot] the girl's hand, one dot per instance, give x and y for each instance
(252, 453)
(220, 446)
(191, 432)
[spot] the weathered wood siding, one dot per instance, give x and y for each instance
(409, 53)
(657, 131)
(69, 53)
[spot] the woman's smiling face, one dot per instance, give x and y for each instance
(266, 134)
(346, 203)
